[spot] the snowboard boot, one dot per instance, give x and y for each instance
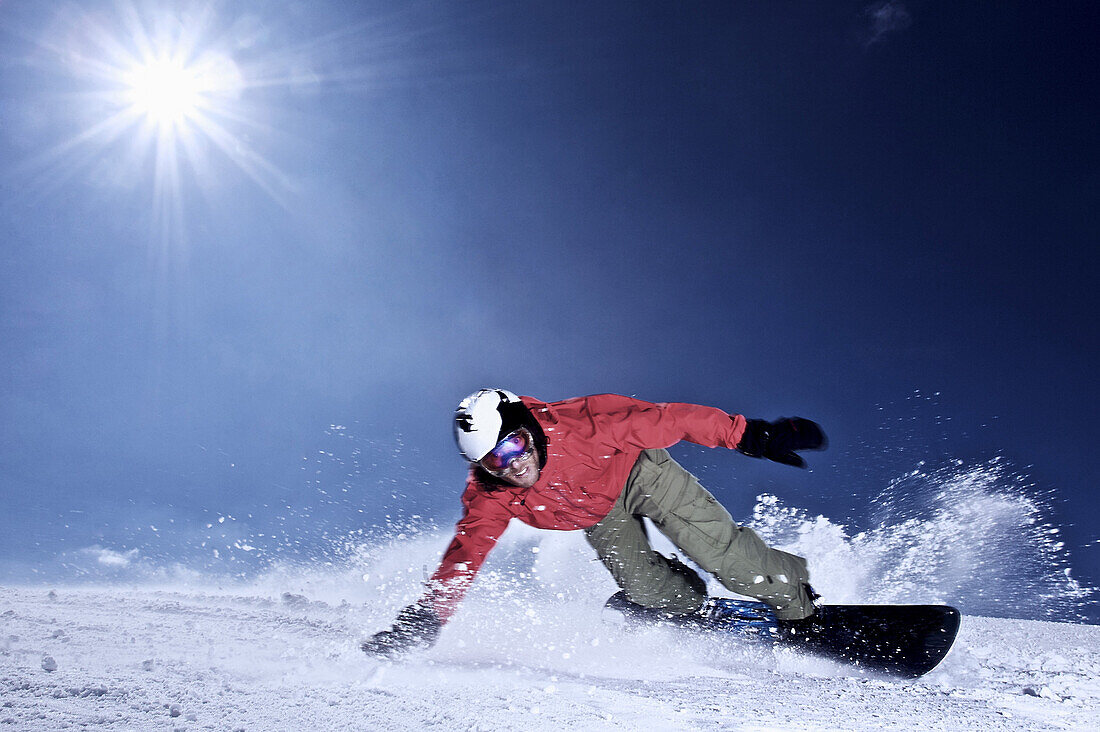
(807, 628)
(696, 585)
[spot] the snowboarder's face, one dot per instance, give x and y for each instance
(524, 471)
(514, 460)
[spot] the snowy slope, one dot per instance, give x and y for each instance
(151, 645)
(157, 659)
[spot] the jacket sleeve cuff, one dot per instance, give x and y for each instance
(739, 425)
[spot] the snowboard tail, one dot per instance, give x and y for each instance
(906, 641)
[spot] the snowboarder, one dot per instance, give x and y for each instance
(598, 464)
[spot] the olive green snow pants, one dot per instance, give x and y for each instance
(661, 490)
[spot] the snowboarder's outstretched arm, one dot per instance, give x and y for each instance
(625, 422)
(419, 624)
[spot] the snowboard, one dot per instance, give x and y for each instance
(905, 641)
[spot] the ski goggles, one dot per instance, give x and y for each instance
(515, 445)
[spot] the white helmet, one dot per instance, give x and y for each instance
(485, 418)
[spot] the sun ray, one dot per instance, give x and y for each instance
(262, 172)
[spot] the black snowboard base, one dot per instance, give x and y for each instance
(906, 641)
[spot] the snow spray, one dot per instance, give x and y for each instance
(973, 537)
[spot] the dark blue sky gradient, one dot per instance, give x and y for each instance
(764, 207)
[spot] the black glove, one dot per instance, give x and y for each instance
(778, 440)
(416, 626)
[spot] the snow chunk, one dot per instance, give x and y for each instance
(110, 557)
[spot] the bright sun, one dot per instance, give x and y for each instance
(165, 91)
(167, 94)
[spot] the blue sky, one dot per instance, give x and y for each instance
(878, 215)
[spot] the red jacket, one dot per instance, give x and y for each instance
(592, 443)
